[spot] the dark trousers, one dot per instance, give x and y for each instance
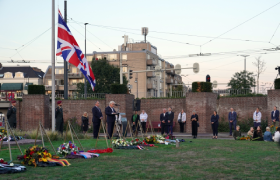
(194, 128)
(182, 125)
(233, 124)
(96, 127)
(143, 126)
(215, 129)
(13, 125)
(110, 128)
(256, 125)
(59, 126)
(162, 125)
(169, 129)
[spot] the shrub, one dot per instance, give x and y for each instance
(118, 89)
(36, 89)
(277, 83)
(202, 87)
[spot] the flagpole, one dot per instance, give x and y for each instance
(65, 62)
(53, 66)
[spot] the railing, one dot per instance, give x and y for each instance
(232, 92)
(151, 62)
(176, 94)
(75, 75)
(81, 96)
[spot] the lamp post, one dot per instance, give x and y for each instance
(245, 68)
(255, 84)
(85, 87)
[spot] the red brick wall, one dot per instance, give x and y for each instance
(244, 106)
(153, 108)
(203, 104)
(273, 99)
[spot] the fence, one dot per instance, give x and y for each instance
(81, 96)
(232, 92)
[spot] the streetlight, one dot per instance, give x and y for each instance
(245, 67)
(85, 88)
(255, 84)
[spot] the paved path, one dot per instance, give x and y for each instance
(22, 142)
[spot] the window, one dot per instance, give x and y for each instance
(74, 70)
(59, 71)
(81, 80)
(124, 57)
(99, 57)
(19, 75)
(124, 69)
(74, 82)
(112, 57)
(8, 75)
(148, 56)
(49, 82)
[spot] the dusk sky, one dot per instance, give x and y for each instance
(172, 24)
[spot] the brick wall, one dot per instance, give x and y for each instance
(273, 99)
(153, 108)
(244, 106)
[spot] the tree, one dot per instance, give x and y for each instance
(105, 75)
(260, 64)
(242, 80)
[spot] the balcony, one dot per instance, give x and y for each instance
(49, 88)
(170, 71)
(151, 86)
(151, 74)
(151, 62)
(75, 75)
(169, 80)
(72, 87)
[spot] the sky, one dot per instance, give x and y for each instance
(177, 28)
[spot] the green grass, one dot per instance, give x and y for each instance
(201, 159)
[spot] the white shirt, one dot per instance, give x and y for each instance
(274, 114)
(257, 117)
(143, 117)
(277, 136)
(183, 117)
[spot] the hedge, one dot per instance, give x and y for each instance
(202, 87)
(119, 89)
(277, 83)
(36, 89)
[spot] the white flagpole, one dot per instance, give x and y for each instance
(53, 65)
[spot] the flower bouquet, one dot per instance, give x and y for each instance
(248, 138)
(121, 142)
(3, 133)
(34, 155)
(151, 139)
(67, 148)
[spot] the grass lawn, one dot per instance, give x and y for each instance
(201, 159)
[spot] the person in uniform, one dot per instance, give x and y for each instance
(194, 119)
(169, 128)
(96, 119)
(135, 126)
(59, 117)
(163, 121)
(110, 112)
(12, 115)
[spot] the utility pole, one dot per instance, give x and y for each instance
(125, 37)
(245, 68)
(65, 62)
(85, 87)
(137, 83)
(53, 66)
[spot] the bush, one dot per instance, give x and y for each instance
(277, 83)
(202, 87)
(36, 89)
(119, 89)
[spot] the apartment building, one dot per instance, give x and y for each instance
(142, 56)
(74, 77)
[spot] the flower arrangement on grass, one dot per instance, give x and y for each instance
(3, 133)
(67, 148)
(248, 138)
(138, 142)
(35, 154)
(121, 142)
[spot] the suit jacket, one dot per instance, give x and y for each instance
(12, 114)
(276, 115)
(96, 114)
(215, 119)
(170, 118)
(110, 117)
(232, 116)
(59, 114)
(163, 118)
(137, 119)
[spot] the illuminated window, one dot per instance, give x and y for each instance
(112, 57)
(124, 57)
(19, 75)
(49, 82)
(124, 69)
(59, 71)
(8, 75)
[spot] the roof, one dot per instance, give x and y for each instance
(31, 72)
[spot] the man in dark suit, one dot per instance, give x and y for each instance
(232, 119)
(110, 112)
(170, 114)
(59, 117)
(163, 121)
(96, 119)
(275, 117)
(12, 115)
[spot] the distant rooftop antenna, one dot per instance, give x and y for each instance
(125, 37)
(145, 31)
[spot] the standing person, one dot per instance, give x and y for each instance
(232, 120)
(182, 120)
(163, 121)
(194, 119)
(170, 121)
(85, 122)
(59, 117)
(143, 119)
(257, 116)
(215, 124)
(12, 115)
(134, 119)
(96, 119)
(275, 117)
(111, 117)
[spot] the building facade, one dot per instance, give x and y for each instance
(142, 56)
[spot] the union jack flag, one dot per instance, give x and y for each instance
(68, 48)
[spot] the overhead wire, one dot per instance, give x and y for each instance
(274, 32)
